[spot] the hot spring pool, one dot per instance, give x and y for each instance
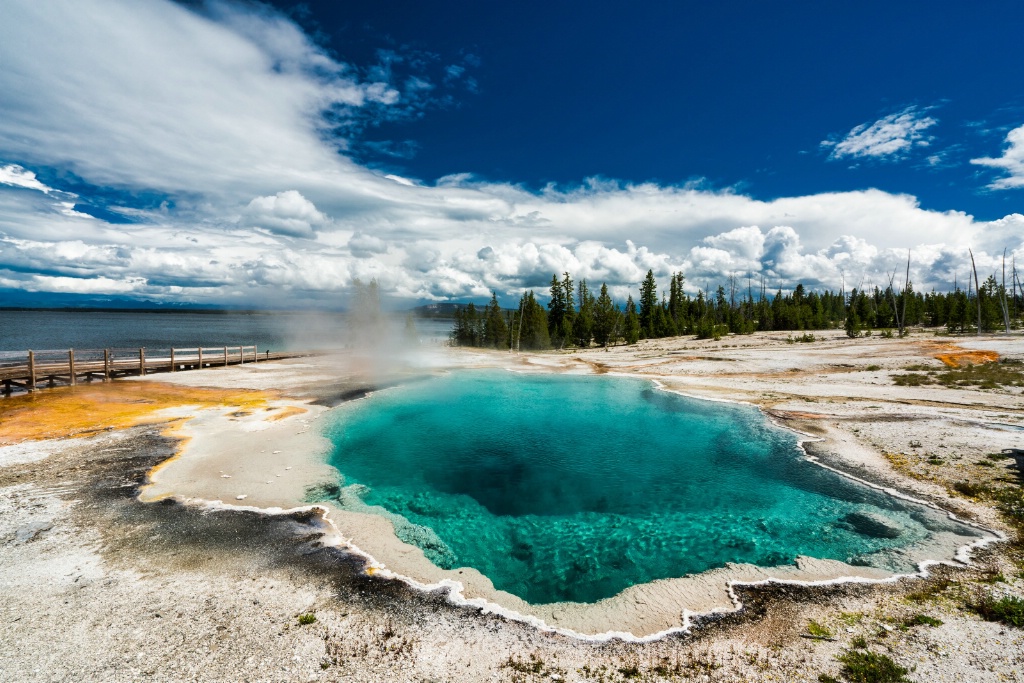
(569, 488)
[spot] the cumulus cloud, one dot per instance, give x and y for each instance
(1011, 162)
(237, 139)
(286, 213)
(890, 137)
(365, 246)
(16, 176)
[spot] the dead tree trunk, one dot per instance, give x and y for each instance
(1002, 298)
(906, 282)
(977, 289)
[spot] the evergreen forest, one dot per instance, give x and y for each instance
(575, 317)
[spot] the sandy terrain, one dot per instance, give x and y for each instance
(197, 584)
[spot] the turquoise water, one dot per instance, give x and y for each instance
(564, 488)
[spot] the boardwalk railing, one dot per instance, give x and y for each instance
(33, 369)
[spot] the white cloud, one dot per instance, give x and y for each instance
(286, 213)
(1011, 162)
(232, 133)
(890, 137)
(16, 176)
(363, 246)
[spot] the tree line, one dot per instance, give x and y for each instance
(575, 317)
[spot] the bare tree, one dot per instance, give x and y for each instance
(1002, 298)
(906, 281)
(977, 289)
(895, 301)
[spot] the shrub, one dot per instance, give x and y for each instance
(307, 619)
(970, 489)
(1007, 610)
(912, 379)
(869, 667)
(923, 620)
(817, 630)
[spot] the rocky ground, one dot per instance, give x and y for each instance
(98, 586)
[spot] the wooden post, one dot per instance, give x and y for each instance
(225, 356)
(142, 361)
(71, 366)
(31, 370)
(172, 360)
(106, 365)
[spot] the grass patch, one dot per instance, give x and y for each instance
(912, 379)
(994, 577)
(1008, 610)
(817, 630)
(970, 489)
(870, 667)
(1005, 373)
(931, 591)
(631, 671)
(307, 619)
(923, 620)
(851, 618)
(534, 665)
(873, 368)
(859, 643)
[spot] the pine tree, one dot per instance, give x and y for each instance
(677, 301)
(631, 325)
(495, 330)
(467, 330)
(648, 302)
(606, 318)
(534, 335)
(852, 325)
(582, 328)
(568, 293)
(557, 308)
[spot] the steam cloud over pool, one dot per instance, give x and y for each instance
(564, 488)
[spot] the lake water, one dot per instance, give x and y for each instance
(276, 331)
(568, 488)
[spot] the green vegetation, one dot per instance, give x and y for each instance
(1007, 372)
(1007, 610)
(307, 619)
(923, 620)
(533, 665)
(862, 666)
(932, 590)
(817, 630)
(574, 317)
(970, 489)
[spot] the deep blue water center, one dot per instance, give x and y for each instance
(569, 488)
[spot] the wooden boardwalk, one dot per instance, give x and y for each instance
(37, 369)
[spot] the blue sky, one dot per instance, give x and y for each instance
(736, 94)
(256, 154)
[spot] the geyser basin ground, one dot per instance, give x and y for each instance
(573, 489)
